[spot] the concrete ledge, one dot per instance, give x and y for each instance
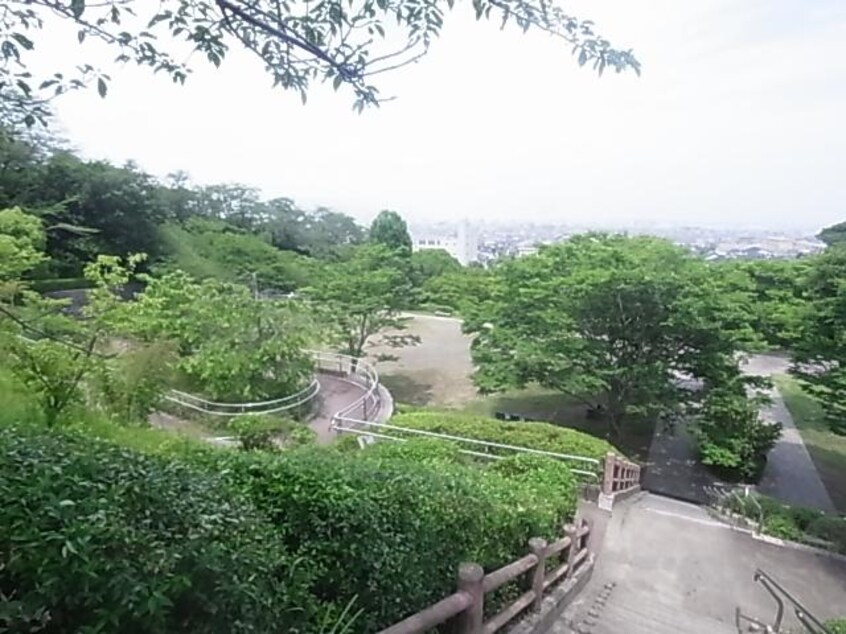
(606, 502)
(555, 602)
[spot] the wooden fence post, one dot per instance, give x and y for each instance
(571, 531)
(584, 541)
(470, 578)
(608, 473)
(538, 548)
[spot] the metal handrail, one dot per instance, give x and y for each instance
(259, 408)
(389, 427)
(808, 620)
(249, 405)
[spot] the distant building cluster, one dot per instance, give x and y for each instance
(462, 244)
(488, 242)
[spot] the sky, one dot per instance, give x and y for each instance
(737, 120)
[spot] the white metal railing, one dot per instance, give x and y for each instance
(366, 407)
(345, 367)
(581, 460)
(216, 408)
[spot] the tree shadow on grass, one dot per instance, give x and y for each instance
(404, 389)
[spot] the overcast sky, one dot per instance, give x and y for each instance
(737, 120)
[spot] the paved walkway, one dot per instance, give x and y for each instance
(673, 468)
(790, 474)
(667, 567)
(335, 394)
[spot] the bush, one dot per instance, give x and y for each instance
(99, 539)
(391, 530)
(793, 522)
(270, 433)
(783, 527)
(543, 436)
(130, 387)
(731, 436)
(830, 529)
(60, 284)
(836, 626)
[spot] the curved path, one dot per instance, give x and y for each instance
(337, 394)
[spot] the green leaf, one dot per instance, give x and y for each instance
(23, 41)
(77, 8)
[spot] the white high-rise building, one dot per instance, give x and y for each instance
(462, 245)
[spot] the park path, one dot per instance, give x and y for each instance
(790, 474)
(666, 567)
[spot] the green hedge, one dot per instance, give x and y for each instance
(542, 436)
(60, 284)
(836, 626)
(794, 523)
(390, 529)
(95, 538)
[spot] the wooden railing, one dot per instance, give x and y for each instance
(619, 474)
(466, 607)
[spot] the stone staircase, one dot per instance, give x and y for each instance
(667, 567)
(609, 611)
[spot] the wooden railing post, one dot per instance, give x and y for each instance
(538, 547)
(584, 541)
(571, 531)
(470, 578)
(608, 473)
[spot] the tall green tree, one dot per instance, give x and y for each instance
(625, 324)
(297, 43)
(364, 296)
(431, 263)
(835, 234)
(820, 349)
(771, 292)
(390, 230)
(231, 345)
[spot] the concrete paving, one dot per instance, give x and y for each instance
(335, 394)
(673, 468)
(790, 474)
(668, 567)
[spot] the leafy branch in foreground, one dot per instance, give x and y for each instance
(299, 42)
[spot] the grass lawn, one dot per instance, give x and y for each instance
(827, 449)
(553, 407)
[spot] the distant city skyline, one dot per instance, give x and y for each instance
(736, 122)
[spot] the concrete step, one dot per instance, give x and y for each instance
(625, 611)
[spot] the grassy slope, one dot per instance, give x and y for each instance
(560, 409)
(828, 450)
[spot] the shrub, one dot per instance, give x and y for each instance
(794, 523)
(270, 433)
(732, 437)
(95, 538)
(60, 284)
(392, 530)
(830, 529)
(836, 626)
(543, 436)
(783, 527)
(131, 386)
